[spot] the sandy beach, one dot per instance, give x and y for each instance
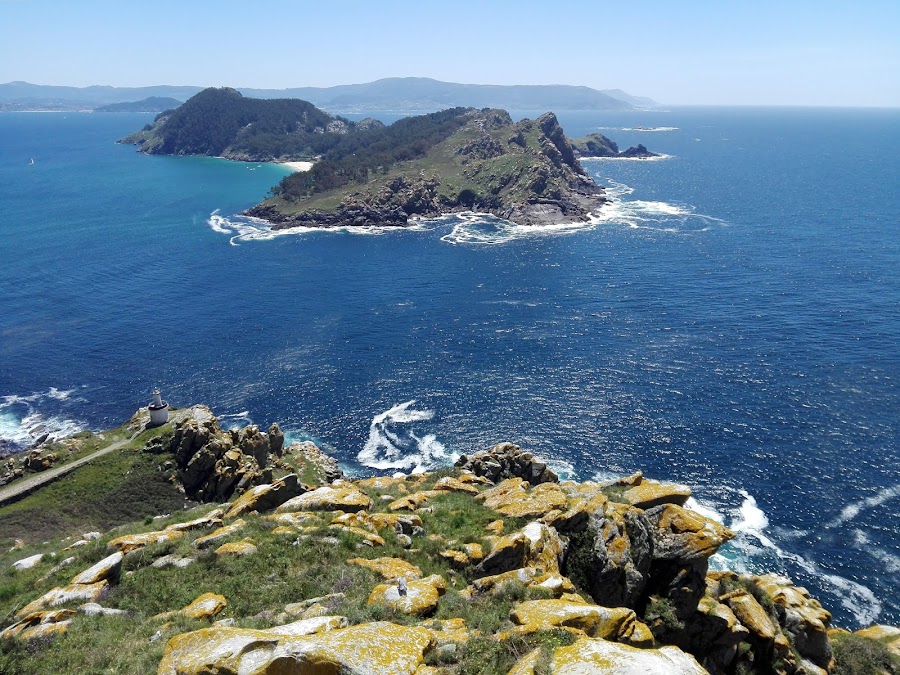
(298, 166)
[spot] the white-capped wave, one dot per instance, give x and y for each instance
(247, 228)
(484, 228)
(890, 561)
(649, 129)
(24, 420)
(658, 157)
(850, 511)
(749, 522)
(704, 510)
(651, 215)
(394, 442)
(238, 419)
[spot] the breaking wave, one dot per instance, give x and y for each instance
(247, 228)
(483, 228)
(41, 416)
(656, 158)
(395, 443)
(850, 511)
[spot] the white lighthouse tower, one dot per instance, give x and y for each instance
(159, 410)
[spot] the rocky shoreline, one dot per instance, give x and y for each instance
(588, 577)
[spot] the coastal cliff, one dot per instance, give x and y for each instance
(492, 566)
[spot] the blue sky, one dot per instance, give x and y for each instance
(717, 52)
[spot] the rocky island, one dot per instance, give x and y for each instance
(260, 557)
(369, 174)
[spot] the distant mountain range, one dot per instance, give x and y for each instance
(398, 94)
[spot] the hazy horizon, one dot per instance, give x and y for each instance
(805, 54)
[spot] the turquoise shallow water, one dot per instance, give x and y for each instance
(730, 322)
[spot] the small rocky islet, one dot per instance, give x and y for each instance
(285, 565)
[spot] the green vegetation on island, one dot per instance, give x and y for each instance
(491, 567)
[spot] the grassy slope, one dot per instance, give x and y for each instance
(257, 588)
(444, 161)
(117, 488)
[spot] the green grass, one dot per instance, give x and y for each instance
(857, 655)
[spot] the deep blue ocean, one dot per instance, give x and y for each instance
(731, 321)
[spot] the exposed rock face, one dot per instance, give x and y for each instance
(329, 498)
(613, 555)
(535, 545)
(602, 657)
(418, 596)
(267, 496)
(618, 624)
(506, 460)
(598, 145)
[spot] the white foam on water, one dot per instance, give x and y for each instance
(651, 215)
(486, 229)
(240, 419)
(850, 511)
(750, 522)
(704, 509)
(649, 129)
(25, 419)
(394, 444)
(247, 228)
(658, 157)
(890, 561)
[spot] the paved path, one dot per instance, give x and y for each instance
(26, 486)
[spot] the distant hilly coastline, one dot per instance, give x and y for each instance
(397, 94)
(152, 104)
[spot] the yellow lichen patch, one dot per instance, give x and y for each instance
(472, 478)
(450, 484)
(889, 636)
(496, 582)
(132, 542)
(44, 631)
(360, 519)
(380, 483)
(511, 498)
(504, 491)
(368, 537)
(420, 597)
(495, 527)
(448, 631)
(108, 568)
(389, 568)
(413, 501)
(455, 558)
(751, 614)
(295, 519)
(380, 648)
(211, 519)
(526, 665)
(37, 619)
(218, 535)
(60, 596)
(602, 657)
(610, 623)
(205, 606)
(650, 493)
(243, 547)
(329, 498)
(474, 551)
(685, 534)
(575, 517)
(382, 520)
(282, 530)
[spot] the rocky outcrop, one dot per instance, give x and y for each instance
(506, 460)
(602, 657)
(598, 145)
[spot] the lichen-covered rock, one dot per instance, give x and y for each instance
(237, 548)
(450, 484)
(575, 515)
(220, 534)
(211, 519)
(420, 597)
(369, 538)
(506, 460)
(390, 569)
(108, 568)
(602, 657)
(413, 501)
(535, 545)
(889, 636)
(37, 625)
(714, 634)
(27, 563)
(612, 556)
(803, 618)
(267, 496)
(619, 624)
(276, 440)
(650, 493)
(60, 596)
(205, 606)
(380, 648)
(328, 498)
(132, 542)
(683, 535)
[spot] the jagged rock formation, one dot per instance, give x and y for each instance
(590, 577)
(598, 145)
